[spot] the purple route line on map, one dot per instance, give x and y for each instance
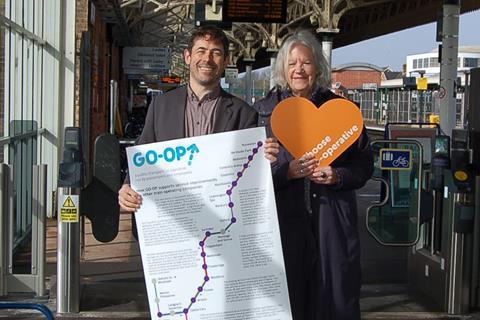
(203, 242)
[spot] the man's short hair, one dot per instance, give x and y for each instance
(213, 33)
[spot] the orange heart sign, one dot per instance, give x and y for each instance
(326, 131)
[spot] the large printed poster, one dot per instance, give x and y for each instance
(208, 228)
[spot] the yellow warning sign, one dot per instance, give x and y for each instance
(68, 203)
(422, 83)
(69, 210)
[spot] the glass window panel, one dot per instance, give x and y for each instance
(22, 157)
(28, 15)
(20, 65)
(3, 59)
(470, 62)
(17, 13)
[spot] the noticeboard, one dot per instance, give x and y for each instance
(262, 11)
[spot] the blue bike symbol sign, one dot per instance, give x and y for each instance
(395, 159)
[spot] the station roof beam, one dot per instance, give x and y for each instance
(163, 23)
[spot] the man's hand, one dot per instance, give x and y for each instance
(128, 199)
(272, 148)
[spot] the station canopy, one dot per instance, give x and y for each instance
(168, 23)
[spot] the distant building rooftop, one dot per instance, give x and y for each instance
(464, 49)
(358, 66)
(390, 75)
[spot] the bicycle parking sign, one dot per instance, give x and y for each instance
(395, 159)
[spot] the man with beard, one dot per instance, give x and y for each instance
(202, 107)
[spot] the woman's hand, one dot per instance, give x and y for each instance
(272, 148)
(302, 167)
(325, 175)
(128, 199)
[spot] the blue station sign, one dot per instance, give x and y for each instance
(395, 159)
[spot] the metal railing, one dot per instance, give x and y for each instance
(399, 105)
(22, 151)
(28, 306)
(23, 136)
(31, 215)
(10, 282)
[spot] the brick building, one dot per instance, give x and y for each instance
(356, 76)
(97, 62)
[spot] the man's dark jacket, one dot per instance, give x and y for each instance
(166, 116)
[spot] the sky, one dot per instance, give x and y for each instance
(391, 50)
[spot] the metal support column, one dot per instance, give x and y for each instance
(473, 87)
(448, 65)
(327, 45)
(273, 59)
(68, 260)
(70, 181)
(39, 228)
(249, 58)
(248, 82)
(460, 265)
(4, 210)
(475, 283)
(113, 104)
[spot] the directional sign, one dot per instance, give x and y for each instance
(146, 59)
(395, 159)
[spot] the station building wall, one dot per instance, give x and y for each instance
(354, 79)
(96, 65)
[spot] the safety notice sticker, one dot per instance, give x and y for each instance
(68, 208)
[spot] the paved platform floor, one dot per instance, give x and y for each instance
(113, 286)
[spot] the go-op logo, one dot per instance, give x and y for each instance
(169, 155)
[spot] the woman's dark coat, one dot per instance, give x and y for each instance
(319, 233)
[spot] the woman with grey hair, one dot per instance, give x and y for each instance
(316, 205)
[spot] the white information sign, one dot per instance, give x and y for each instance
(370, 86)
(146, 59)
(208, 228)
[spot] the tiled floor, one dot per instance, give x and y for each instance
(113, 287)
(112, 284)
